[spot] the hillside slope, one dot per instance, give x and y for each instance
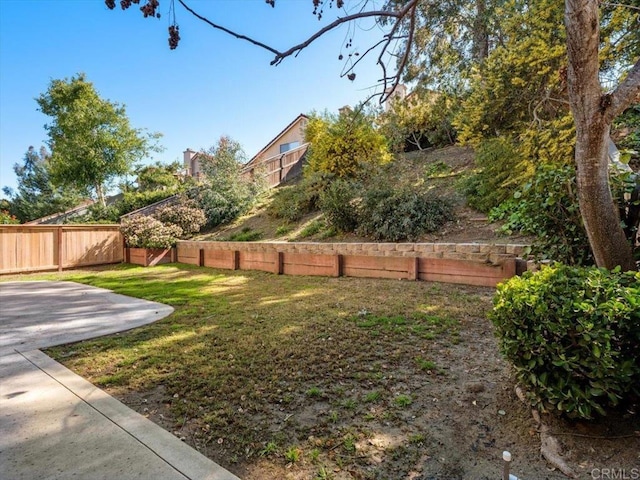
(440, 171)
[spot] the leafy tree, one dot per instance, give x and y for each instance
(472, 30)
(91, 139)
(343, 144)
(158, 176)
(421, 120)
(37, 196)
(225, 193)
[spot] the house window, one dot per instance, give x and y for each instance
(285, 147)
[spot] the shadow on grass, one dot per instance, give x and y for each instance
(237, 358)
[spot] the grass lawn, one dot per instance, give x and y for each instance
(309, 377)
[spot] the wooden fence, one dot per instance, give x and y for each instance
(272, 259)
(279, 168)
(30, 248)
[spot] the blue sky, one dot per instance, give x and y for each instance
(212, 84)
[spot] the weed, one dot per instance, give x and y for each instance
(283, 230)
(349, 444)
(349, 404)
(324, 474)
(269, 449)
(292, 455)
(426, 365)
(372, 397)
(246, 235)
(403, 400)
(333, 416)
(314, 455)
(417, 438)
(313, 392)
(437, 169)
(312, 228)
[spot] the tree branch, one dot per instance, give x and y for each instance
(349, 18)
(230, 32)
(280, 56)
(626, 93)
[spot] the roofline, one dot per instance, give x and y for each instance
(282, 132)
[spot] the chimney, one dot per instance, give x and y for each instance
(346, 110)
(188, 157)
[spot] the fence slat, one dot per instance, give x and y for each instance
(31, 248)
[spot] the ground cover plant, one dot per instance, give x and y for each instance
(309, 377)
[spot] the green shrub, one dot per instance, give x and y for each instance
(7, 219)
(501, 170)
(547, 207)
(337, 205)
(571, 334)
(246, 235)
(343, 144)
(391, 214)
(291, 203)
(225, 193)
(147, 232)
(185, 214)
(314, 227)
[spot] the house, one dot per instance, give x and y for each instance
(191, 164)
(393, 95)
(280, 160)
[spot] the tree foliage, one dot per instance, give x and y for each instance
(225, 193)
(528, 83)
(158, 176)
(572, 335)
(421, 120)
(37, 196)
(344, 144)
(91, 140)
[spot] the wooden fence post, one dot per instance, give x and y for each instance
(337, 265)
(413, 268)
(60, 249)
(236, 260)
(279, 268)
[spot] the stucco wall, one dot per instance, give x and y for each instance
(295, 133)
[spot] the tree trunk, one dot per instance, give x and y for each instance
(100, 195)
(480, 45)
(593, 122)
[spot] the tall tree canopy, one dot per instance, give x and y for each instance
(91, 140)
(445, 44)
(36, 195)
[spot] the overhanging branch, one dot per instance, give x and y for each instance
(628, 92)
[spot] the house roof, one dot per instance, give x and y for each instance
(276, 138)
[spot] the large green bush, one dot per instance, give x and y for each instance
(225, 193)
(501, 169)
(547, 207)
(292, 202)
(337, 203)
(344, 144)
(572, 335)
(395, 214)
(185, 214)
(142, 231)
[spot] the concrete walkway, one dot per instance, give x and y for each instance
(56, 425)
